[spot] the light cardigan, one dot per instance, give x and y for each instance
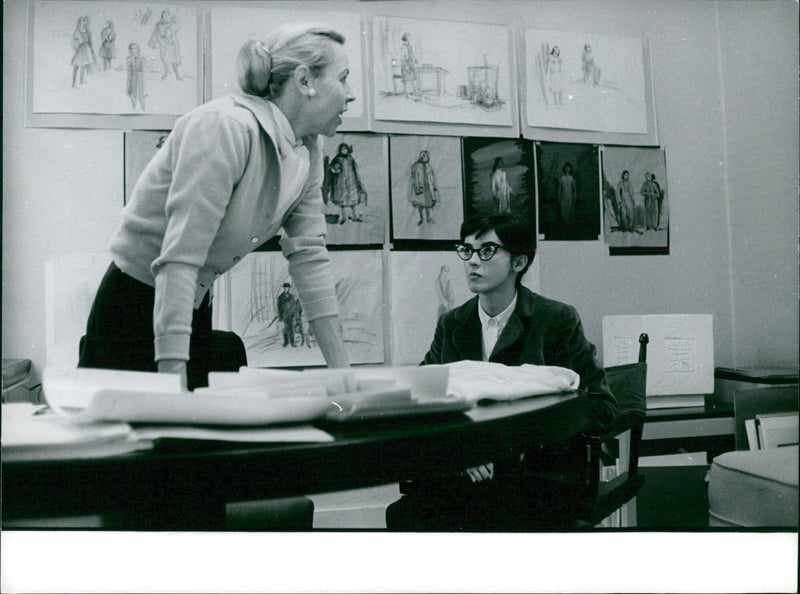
(208, 198)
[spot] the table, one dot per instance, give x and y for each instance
(186, 486)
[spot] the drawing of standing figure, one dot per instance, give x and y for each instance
(165, 39)
(408, 67)
(591, 72)
(555, 76)
(287, 314)
(625, 201)
(108, 40)
(659, 199)
(650, 194)
(344, 183)
(444, 291)
(501, 190)
(567, 194)
(84, 56)
(135, 68)
(423, 192)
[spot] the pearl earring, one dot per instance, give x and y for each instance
(311, 92)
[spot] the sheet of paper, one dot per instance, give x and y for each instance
(680, 354)
(293, 434)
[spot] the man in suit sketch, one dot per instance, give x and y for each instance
(504, 323)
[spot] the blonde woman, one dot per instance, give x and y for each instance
(230, 175)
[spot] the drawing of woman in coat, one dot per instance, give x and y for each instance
(501, 190)
(135, 67)
(84, 56)
(345, 186)
(165, 39)
(108, 39)
(423, 193)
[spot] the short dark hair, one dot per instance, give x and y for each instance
(514, 231)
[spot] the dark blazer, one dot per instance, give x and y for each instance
(540, 331)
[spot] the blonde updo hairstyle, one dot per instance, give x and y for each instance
(264, 66)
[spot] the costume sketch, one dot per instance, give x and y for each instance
(115, 53)
(408, 67)
(565, 86)
(636, 213)
(165, 39)
(255, 300)
(342, 184)
(423, 192)
(135, 68)
(567, 195)
(501, 189)
(84, 57)
(427, 194)
(108, 39)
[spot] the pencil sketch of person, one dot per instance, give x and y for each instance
(165, 39)
(625, 201)
(287, 314)
(591, 72)
(444, 291)
(408, 67)
(659, 200)
(108, 40)
(501, 190)
(423, 193)
(555, 76)
(344, 184)
(567, 194)
(135, 69)
(84, 57)
(650, 193)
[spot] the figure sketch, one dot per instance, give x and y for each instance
(625, 202)
(343, 185)
(444, 291)
(591, 71)
(501, 189)
(84, 57)
(408, 67)
(650, 191)
(165, 39)
(135, 69)
(290, 313)
(555, 76)
(423, 193)
(567, 195)
(108, 40)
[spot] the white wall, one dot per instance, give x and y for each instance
(731, 255)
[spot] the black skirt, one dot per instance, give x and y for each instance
(119, 332)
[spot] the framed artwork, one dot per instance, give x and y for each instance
(427, 194)
(433, 72)
(231, 26)
(580, 87)
(97, 64)
(256, 300)
(635, 200)
(424, 285)
(140, 147)
(356, 189)
(569, 191)
(499, 176)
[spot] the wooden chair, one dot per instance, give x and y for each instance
(618, 445)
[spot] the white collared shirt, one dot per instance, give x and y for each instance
(294, 160)
(492, 327)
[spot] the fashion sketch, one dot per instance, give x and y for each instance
(501, 190)
(135, 67)
(569, 196)
(84, 57)
(108, 39)
(427, 196)
(165, 39)
(342, 185)
(257, 301)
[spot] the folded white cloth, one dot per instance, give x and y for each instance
(479, 380)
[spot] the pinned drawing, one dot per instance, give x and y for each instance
(635, 199)
(584, 82)
(231, 26)
(120, 60)
(355, 189)
(426, 285)
(427, 192)
(569, 198)
(433, 71)
(140, 147)
(499, 177)
(257, 300)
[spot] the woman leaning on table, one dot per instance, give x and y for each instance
(231, 173)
